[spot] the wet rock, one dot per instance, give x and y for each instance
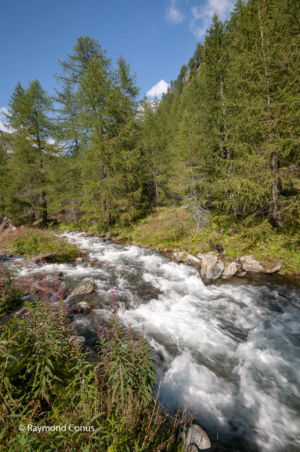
(211, 268)
(195, 439)
(86, 287)
(273, 269)
(78, 261)
(192, 260)
(230, 270)
(82, 307)
(249, 264)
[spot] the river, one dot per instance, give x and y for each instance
(230, 353)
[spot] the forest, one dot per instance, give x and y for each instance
(223, 141)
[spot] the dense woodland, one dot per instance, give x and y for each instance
(224, 139)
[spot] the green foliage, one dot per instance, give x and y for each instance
(37, 242)
(10, 292)
(171, 227)
(46, 380)
(224, 138)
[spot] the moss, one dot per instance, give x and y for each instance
(38, 242)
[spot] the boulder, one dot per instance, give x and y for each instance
(249, 264)
(211, 268)
(86, 287)
(192, 260)
(195, 438)
(230, 270)
(273, 269)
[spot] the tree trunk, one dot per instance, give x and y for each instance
(274, 160)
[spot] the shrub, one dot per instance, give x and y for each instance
(46, 380)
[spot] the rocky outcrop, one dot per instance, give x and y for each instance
(230, 270)
(249, 264)
(211, 267)
(195, 439)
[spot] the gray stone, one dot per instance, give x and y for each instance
(230, 270)
(273, 269)
(82, 307)
(197, 437)
(249, 264)
(78, 260)
(178, 255)
(86, 287)
(211, 268)
(242, 274)
(192, 260)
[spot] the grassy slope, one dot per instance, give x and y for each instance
(38, 242)
(172, 227)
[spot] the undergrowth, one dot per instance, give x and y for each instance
(173, 227)
(47, 382)
(31, 241)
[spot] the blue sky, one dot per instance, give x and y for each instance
(156, 37)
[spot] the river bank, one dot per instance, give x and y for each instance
(217, 344)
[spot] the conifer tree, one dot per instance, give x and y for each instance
(28, 110)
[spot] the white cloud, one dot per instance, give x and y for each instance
(3, 120)
(158, 89)
(202, 15)
(174, 14)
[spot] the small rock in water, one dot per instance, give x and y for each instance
(87, 286)
(82, 307)
(211, 268)
(196, 439)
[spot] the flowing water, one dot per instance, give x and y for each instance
(230, 353)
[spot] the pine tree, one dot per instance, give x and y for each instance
(260, 85)
(27, 115)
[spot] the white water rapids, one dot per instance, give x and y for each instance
(230, 352)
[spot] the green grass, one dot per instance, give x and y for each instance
(173, 227)
(37, 242)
